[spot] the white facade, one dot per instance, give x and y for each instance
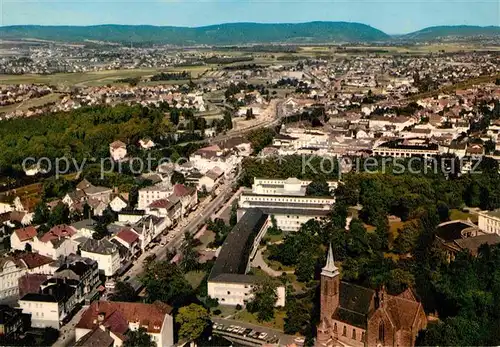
(107, 263)
(43, 314)
(489, 221)
(117, 204)
(4, 208)
(150, 194)
(238, 293)
(9, 276)
(65, 248)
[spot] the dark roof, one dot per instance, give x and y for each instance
(355, 304)
(451, 231)
(96, 338)
(57, 291)
(233, 257)
(473, 243)
(103, 246)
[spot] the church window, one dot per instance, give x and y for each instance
(381, 332)
(354, 334)
(335, 327)
(344, 332)
(363, 336)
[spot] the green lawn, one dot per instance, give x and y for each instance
(195, 278)
(207, 237)
(277, 322)
(460, 215)
(275, 265)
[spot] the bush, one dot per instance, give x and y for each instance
(238, 307)
(217, 312)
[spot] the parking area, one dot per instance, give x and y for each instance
(254, 335)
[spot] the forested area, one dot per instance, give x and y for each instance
(82, 133)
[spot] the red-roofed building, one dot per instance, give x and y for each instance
(20, 237)
(128, 238)
(119, 317)
(187, 195)
(56, 242)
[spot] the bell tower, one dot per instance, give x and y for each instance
(330, 287)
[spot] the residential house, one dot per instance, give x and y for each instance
(52, 304)
(12, 322)
(150, 194)
(83, 270)
(119, 317)
(104, 252)
(187, 195)
(118, 150)
(15, 266)
(118, 203)
(210, 179)
(21, 237)
(129, 239)
(57, 242)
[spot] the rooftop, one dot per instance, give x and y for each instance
(233, 257)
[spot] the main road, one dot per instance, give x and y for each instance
(194, 222)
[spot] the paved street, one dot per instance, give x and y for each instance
(194, 221)
(67, 332)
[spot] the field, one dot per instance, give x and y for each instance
(37, 102)
(460, 215)
(97, 78)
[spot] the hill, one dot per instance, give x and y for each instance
(451, 32)
(231, 33)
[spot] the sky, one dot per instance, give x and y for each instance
(390, 16)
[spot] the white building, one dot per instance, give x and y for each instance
(4, 208)
(228, 281)
(119, 317)
(21, 237)
(118, 203)
(150, 194)
(14, 267)
(489, 221)
(52, 304)
(287, 201)
(118, 150)
(104, 252)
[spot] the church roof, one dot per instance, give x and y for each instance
(355, 304)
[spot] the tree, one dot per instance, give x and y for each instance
(124, 292)
(101, 231)
(233, 218)
(165, 282)
(264, 299)
(177, 177)
(139, 338)
(59, 215)
(193, 320)
(42, 213)
(318, 188)
(228, 120)
(189, 254)
(305, 267)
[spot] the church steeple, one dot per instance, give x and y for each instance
(330, 270)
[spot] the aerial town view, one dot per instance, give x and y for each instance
(249, 173)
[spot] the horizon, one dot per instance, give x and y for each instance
(392, 17)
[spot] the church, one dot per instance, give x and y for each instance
(353, 315)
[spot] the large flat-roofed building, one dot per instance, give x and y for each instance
(406, 148)
(228, 281)
(287, 201)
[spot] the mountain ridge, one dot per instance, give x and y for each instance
(234, 33)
